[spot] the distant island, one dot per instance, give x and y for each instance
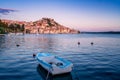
(42, 26)
(107, 32)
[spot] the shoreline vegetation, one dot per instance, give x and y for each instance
(42, 26)
(6, 28)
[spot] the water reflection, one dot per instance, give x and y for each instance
(44, 43)
(2, 44)
(43, 73)
(2, 40)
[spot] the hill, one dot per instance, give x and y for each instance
(42, 26)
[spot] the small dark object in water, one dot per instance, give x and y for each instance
(91, 43)
(78, 43)
(17, 45)
(34, 54)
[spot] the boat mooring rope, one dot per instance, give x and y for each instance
(48, 73)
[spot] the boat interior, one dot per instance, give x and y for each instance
(53, 60)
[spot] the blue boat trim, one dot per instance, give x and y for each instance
(44, 63)
(44, 54)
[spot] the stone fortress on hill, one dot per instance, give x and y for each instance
(43, 26)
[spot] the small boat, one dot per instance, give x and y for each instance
(54, 64)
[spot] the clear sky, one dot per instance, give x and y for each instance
(85, 15)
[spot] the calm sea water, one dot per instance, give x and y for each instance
(100, 61)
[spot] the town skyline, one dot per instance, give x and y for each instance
(84, 15)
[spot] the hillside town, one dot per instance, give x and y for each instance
(42, 26)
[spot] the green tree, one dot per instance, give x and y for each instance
(22, 27)
(2, 27)
(2, 30)
(14, 27)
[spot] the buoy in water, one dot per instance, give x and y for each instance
(17, 45)
(34, 54)
(92, 43)
(78, 43)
